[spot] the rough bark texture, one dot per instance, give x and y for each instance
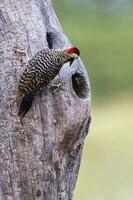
(39, 160)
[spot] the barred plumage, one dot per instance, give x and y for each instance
(39, 71)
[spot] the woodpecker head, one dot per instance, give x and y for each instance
(72, 53)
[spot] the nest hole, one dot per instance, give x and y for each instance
(80, 85)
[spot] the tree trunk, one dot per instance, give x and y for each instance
(39, 160)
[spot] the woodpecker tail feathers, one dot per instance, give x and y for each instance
(25, 105)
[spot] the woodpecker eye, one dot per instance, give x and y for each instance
(74, 51)
(74, 55)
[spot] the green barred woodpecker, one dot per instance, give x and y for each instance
(39, 72)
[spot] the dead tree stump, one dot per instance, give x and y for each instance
(39, 160)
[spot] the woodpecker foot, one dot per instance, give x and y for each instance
(58, 86)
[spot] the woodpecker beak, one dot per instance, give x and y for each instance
(71, 61)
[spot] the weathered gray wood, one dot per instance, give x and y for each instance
(39, 160)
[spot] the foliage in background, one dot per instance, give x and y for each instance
(103, 30)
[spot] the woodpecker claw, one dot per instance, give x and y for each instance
(58, 86)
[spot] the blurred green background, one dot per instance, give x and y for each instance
(103, 30)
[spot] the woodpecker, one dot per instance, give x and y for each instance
(39, 72)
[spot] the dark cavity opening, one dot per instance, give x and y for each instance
(50, 39)
(38, 193)
(80, 85)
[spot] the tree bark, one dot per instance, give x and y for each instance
(39, 160)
